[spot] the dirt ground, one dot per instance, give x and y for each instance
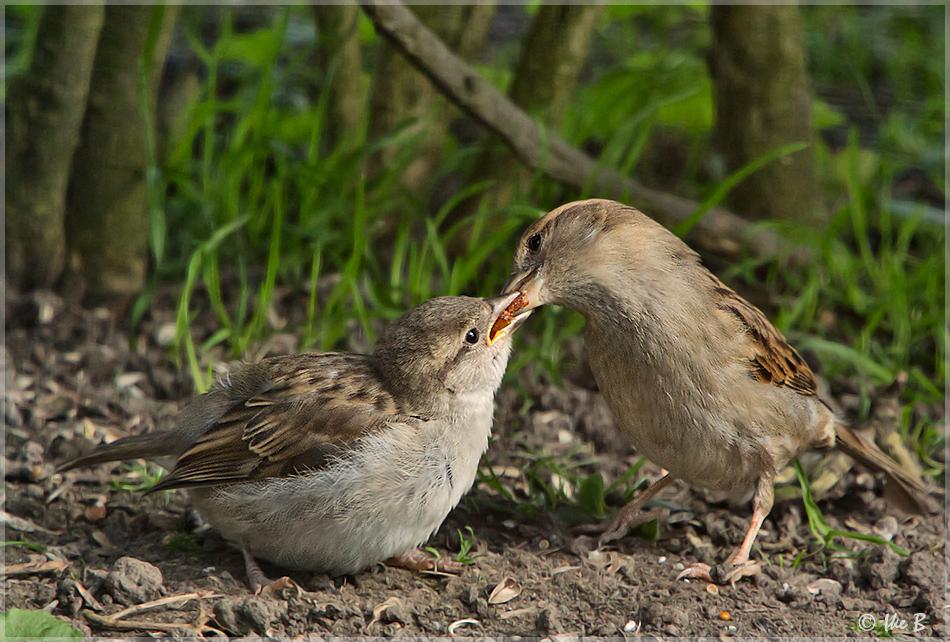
(72, 379)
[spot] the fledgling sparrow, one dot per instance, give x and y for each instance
(697, 378)
(332, 462)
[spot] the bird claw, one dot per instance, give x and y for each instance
(697, 571)
(618, 528)
(738, 571)
(262, 586)
(722, 574)
(416, 560)
(625, 523)
(270, 588)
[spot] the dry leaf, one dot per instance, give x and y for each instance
(129, 379)
(507, 590)
(33, 568)
(20, 524)
(454, 626)
(612, 561)
(564, 569)
(102, 539)
(386, 608)
(695, 541)
(87, 597)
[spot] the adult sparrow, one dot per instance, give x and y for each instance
(332, 462)
(697, 378)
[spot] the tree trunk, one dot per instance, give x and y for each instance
(551, 60)
(401, 94)
(553, 55)
(717, 229)
(45, 111)
(107, 219)
(763, 101)
(340, 49)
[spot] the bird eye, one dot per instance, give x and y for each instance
(471, 336)
(534, 242)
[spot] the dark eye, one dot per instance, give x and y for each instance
(534, 242)
(471, 336)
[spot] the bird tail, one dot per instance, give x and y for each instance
(145, 446)
(907, 489)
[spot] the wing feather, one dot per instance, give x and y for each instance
(772, 359)
(313, 409)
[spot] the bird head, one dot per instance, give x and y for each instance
(445, 345)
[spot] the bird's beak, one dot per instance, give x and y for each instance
(505, 316)
(529, 284)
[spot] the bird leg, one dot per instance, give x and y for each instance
(761, 507)
(738, 564)
(258, 581)
(630, 515)
(416, 560)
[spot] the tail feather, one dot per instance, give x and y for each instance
(906, 488)
(145, 446)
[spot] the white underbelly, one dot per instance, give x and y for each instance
(380, 501)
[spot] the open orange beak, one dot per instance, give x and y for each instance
(529, 284)
(506, 315)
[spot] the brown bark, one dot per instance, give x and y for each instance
(551, 60)
(763, 101)
(553, 54)
(401, 94)
(340, 50)
(45, 110)
(719, 228)
(107, 219)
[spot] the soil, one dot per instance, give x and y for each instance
(73, 379)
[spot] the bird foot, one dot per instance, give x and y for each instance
(259, 582)
(416, 560)
(626, 521)
(697, 571)
(723, 574)
(270, 588)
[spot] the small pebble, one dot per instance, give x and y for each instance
(662, 559)
(886, 528)
(725, 615)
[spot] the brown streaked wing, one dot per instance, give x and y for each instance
(773, 360)
(300, 423)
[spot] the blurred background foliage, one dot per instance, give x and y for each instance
(271, 204)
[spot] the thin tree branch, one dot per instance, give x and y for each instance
(719, 228)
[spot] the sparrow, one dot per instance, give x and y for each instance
(332, 462)
(696, 377)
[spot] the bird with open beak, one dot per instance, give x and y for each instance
(332, 462)
(696, 377)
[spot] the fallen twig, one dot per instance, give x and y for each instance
(107, 622)
(117, 621)
(33, 568)
(165, 601)
(21, 524)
